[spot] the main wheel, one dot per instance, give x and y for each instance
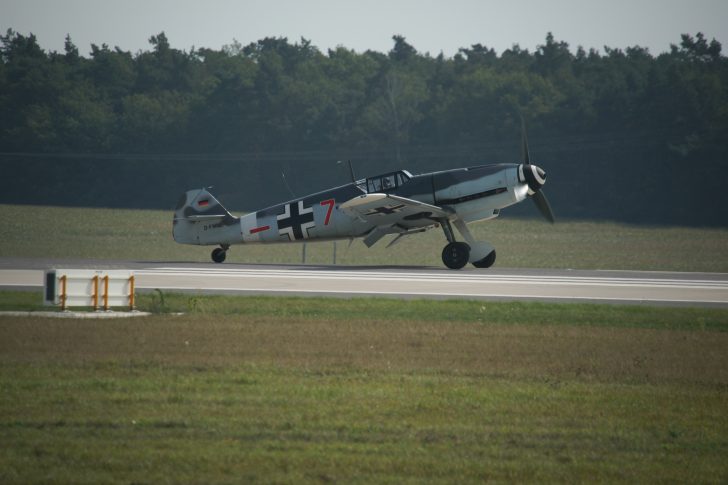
(218, 255)
(487, 261)
(455, 255)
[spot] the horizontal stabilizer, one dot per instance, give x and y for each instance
(204, 217)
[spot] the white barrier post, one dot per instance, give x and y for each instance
(83, 288)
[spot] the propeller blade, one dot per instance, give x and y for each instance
(524, 143)
(543, 205)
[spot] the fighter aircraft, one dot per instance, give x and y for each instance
(396, 203)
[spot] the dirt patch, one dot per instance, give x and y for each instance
(548, 351)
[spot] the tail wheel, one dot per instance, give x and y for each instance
(455, 255)
(218, 255)
(486, 262)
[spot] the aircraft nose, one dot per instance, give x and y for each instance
(534, 176)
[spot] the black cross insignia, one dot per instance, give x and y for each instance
(385, 210)
(295, 221)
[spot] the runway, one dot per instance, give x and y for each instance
(632, 287)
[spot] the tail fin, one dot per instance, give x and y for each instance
(199, 218)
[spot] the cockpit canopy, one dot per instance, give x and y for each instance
(386, 182)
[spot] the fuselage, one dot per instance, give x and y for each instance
(470, 194)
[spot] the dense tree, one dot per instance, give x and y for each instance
(625, 134)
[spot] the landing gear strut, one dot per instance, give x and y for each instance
(456, 254)
(218, 254)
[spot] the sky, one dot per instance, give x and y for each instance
(430, 26)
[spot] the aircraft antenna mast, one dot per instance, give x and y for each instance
(285, 182)
(351, 170)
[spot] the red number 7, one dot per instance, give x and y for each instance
(330, 203)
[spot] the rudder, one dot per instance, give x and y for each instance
(199, 218)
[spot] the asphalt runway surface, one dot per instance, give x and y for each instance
(630, 287)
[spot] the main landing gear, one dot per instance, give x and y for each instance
(457, 254)
(218, 254)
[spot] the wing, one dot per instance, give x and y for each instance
(392, 214)
(387, 209)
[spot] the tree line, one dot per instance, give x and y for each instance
(623, 134)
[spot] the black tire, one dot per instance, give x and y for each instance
(218, 255)
(487, 261)
(455, 255)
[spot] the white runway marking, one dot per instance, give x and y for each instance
(598, 286)
(438, 277)
(441, 284)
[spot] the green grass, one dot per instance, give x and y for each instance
(126, 423)
(502, 313)
(23, 301)
(34, 231)
(309, 390)
(374, 309)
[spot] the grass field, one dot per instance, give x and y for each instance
(58, 232)
(221, 389)
(295, 390)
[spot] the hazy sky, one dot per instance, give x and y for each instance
(430, 26)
